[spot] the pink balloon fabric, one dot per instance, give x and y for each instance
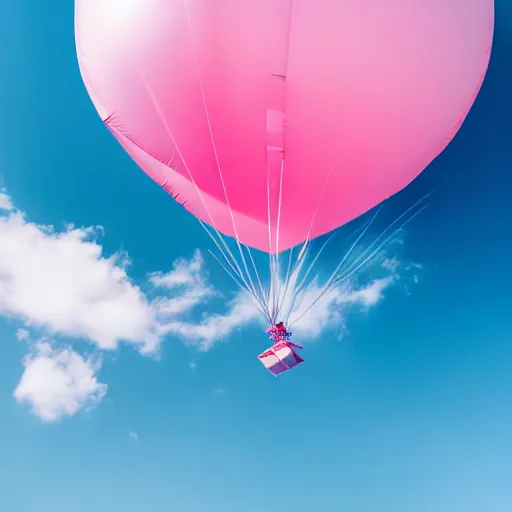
(276, 121)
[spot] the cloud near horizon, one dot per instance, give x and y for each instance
(59, 283)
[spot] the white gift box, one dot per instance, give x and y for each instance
(280, 357)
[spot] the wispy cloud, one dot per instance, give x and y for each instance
(213, 327)
(58, 382)
(5, 201)
(22, 334)
(133, 435)
(186, 287)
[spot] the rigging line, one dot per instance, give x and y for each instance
(257, 298)
(313, 263)
(338, 268)
(324, 188)
(197, 219)
(277, 278)
(296, 274)
(269, 220)
(278, 266)
(260, 299)
(294, 279)
(300, 287)
(347, 254)
(303, 249)
(279, 205)
(271, 264)
(297, 269)
(222, 253)
(258, 305)
(214, 147)
(230, 274)
(332, 285)
(361, 227)
(272, 300)
(364, 227)
(273, 257)
(343, 278)
(347, 276)
(239, 283)
(286, 282)
(336, 280)
(376, 241)
(257, 276)
(317, 208)
(158, 109)
(277, 288)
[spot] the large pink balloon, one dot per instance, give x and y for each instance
(304, 112)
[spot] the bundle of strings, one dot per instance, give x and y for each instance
(280, 297)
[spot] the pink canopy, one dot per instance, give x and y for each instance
(279, 120)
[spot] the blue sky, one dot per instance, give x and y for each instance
(403, 404)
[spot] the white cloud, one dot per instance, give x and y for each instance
(58, 382)
(368, 296)
(5, 201)
(213, 327)
(416, 268)
(391, 264)
(186, 287)
(22, 335)
(184, 273)
(61, 281)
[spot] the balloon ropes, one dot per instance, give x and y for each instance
(276, 121)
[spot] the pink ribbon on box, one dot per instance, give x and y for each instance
(278, 345)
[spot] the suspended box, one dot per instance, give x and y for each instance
(281, 357)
